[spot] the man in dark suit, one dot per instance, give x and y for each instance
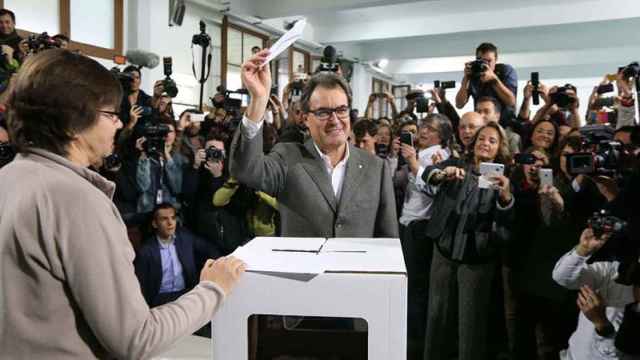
(167, 262)
(324, 187)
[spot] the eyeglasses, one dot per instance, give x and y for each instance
(113, 115)
(323, 114)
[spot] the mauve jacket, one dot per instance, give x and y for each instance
(67, 283)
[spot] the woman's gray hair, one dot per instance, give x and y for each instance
(444, 126)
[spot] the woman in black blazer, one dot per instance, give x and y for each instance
(468, 226)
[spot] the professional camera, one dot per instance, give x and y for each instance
(478, 67)
(602, 222)
(7, 153)
(422, 103)
(600, 154)
(169, 85)
(329, 60)
(631, 70)
(525, 159)
(605, 101)
(155, 135)
(561, 97)
(125, 79)
(212, 153)
(203, 39)
(38, 42)
(444, 84)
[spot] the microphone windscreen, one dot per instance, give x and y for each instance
(143, 58)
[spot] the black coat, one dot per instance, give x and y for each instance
(466, 223)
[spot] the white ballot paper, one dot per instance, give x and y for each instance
(286, 40)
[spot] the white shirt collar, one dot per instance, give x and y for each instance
(327, 160)
(165, 244)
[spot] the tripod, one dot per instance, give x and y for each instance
(203, 40)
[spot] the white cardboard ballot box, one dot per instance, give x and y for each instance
(349, 278)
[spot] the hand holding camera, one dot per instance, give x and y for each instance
(199, 157)
(551, 193)
(134, 115)
(140, 146)
(590, 243)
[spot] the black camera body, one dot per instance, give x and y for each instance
(525, 159)
(478, 66)
(212, 153)
(155, 135)
(444, 84)
(600, 154)
(602, 222)
(112, 162)
(422, 103)
(38, 42)
(125, 79)
(605, 101)
(561, 97)
(203, 39)
(296, 89)
(631, 70)
(169, 85)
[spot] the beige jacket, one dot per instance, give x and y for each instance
(67, 283)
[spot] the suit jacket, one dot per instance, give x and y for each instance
(296, 175)
(192, 253)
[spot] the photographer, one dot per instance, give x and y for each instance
(540, 314)
(597, 285)
(8, 35)
(561, 106)
(137, 99)
(384, 97)
(222, 222)
(159, 171)
(484, 77)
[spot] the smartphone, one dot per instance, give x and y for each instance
(606, 88)
(546, 177)
(535, 82)
(406, 138)
(488, 170)
(197, 117)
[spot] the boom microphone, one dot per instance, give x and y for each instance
(143, 58)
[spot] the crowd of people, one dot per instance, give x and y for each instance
(518, 267)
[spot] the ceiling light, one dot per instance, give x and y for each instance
(382, 63)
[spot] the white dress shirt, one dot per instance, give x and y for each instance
(572, 272)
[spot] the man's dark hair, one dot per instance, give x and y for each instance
(4, 12)
(55, 96)
(445, 129)
(162, 206)
(218, 135)
(132, 68)
(485, 48)
(363, 127)
(491, 99)
(326, 80)
(61, 37)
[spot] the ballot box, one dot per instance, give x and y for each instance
(342, 298)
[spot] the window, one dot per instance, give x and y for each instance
(236, 48)
(399, 93)
(380, 106)
(99, 36)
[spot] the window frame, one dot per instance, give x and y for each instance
(64, 19)
(226, 25)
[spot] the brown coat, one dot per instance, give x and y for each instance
(67, 282)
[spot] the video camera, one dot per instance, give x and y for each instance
(562, 98)
(169, 85)
(39, 42)
(155, 135)
(600, 154)
(202, 39)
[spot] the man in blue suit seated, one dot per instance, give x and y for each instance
(166, 264)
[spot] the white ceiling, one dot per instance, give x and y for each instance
(428, 40)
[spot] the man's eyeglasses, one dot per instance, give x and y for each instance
(323, 114)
